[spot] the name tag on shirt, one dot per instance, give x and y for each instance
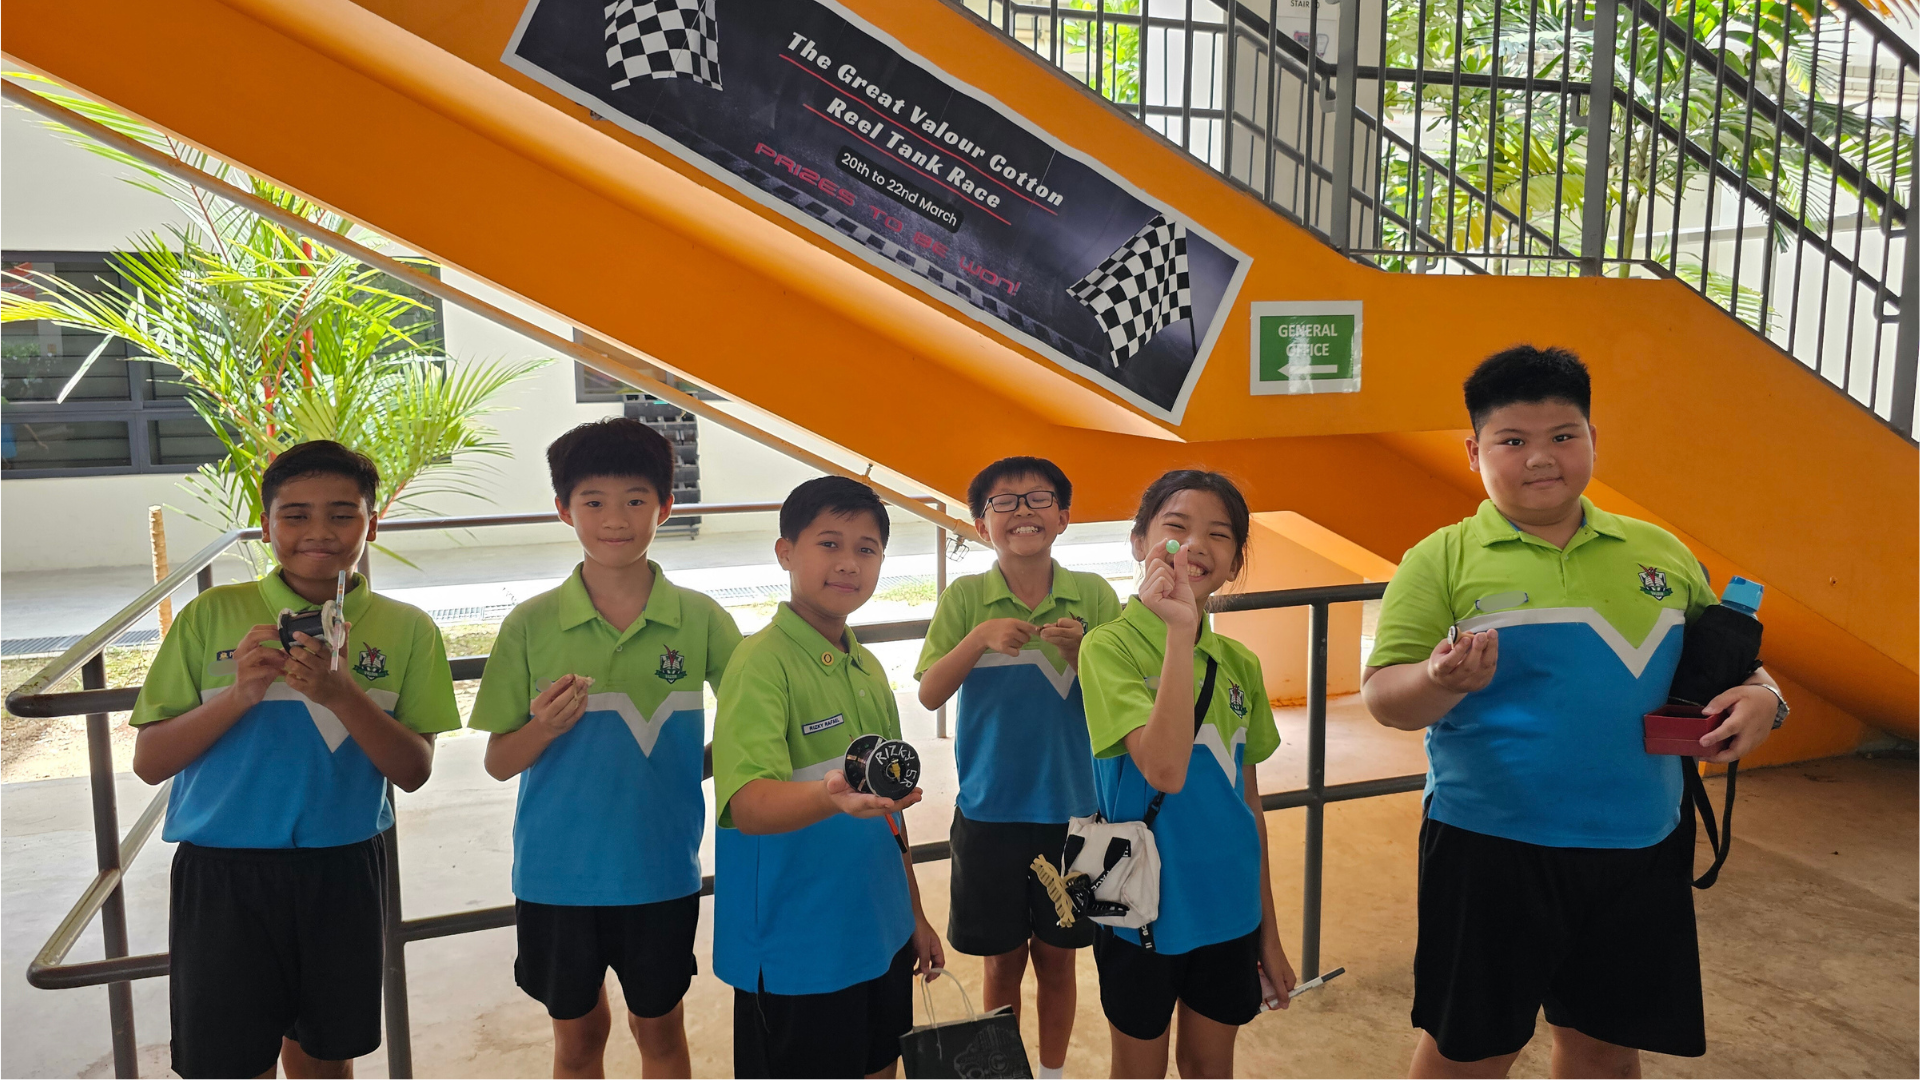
(821, 725)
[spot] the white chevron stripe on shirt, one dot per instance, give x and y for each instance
(819, 769)
(1062, 680)
(646, 729)
(1209, 737)
(1636, 660)
(332, 731)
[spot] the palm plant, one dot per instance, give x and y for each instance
(277, 339)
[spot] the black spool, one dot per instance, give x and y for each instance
(888, 768)
(305, 622)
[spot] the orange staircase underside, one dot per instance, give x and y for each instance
(399, 114)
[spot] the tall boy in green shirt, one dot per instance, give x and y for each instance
(280, 760)
(1009, 641)
(592, 694)
(818, 924)
(1528, 641)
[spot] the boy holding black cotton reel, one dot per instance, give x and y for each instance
(1556, 854)
(280, 758)
(818, 925)
(1009, 641)
(592, 694)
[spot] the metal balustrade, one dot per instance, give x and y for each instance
(1761, 152)
(104, 897)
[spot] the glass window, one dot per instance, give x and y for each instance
(40, 359)
(186, 441)
(66, 445)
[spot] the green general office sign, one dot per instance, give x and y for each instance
(1306, 347)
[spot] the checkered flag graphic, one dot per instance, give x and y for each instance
(663, 39)
(1141, 289)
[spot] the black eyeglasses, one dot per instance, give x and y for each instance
(1007, 504)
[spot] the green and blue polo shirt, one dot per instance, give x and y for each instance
(1551, 751)
(611, 813)
(287, 774)
(1208, 839)
(825, 907)
(1021, 741)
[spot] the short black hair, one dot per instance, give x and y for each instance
(836, 495)
(317, 458)
(1524, 375)
(1008, 467)
(1158, 493)
(613, 446)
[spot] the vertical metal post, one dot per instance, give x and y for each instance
(939, 590)
(204, 580)
(1346, 66)
(1316, 788)
(1232, 37)
(1906, 345)
(399, 1023)
(1593, 215)
(106, 854)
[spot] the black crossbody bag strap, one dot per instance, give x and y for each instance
(1200, 706)
(1720, 836)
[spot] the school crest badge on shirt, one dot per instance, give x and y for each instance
(673, 666)
(1653, 582)
(1237, 701)
(372, 663)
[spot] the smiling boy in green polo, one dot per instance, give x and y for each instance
(1528, 641)
(818, 924)
(593, 697)
(280, 760)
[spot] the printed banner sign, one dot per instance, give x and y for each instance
(1306, 348)
(810, 110)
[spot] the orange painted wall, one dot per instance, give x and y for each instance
(405, 119)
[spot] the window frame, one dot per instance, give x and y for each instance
(137, 409)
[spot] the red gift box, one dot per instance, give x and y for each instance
(1678, 729)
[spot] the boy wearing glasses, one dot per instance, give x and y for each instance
(1011, 638)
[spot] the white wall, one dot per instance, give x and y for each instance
(56, 197)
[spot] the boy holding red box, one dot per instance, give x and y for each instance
(1555, 859)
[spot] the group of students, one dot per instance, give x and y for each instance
(1555, 859)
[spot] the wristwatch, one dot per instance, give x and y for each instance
(1779, 713)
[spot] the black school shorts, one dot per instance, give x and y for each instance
(850, 1032)
(272, 942)
(1138, 987)
(995, 905)
(1602, 937)
(565, 952)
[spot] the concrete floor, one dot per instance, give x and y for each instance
(1809, 941)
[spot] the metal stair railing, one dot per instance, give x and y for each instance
(105, 895)
(1762, 152)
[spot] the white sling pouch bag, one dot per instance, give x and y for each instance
(1113, 867)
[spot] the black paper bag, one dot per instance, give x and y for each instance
(982, 1045)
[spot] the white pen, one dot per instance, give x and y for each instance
(1317, 982)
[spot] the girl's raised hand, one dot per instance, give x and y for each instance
(1167, 591)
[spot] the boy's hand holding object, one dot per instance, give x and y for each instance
(1005, 636)
(1065, 635)
(1465, 662)
(310, 669)
(561, 705)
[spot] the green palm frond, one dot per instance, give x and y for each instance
(278, 339)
